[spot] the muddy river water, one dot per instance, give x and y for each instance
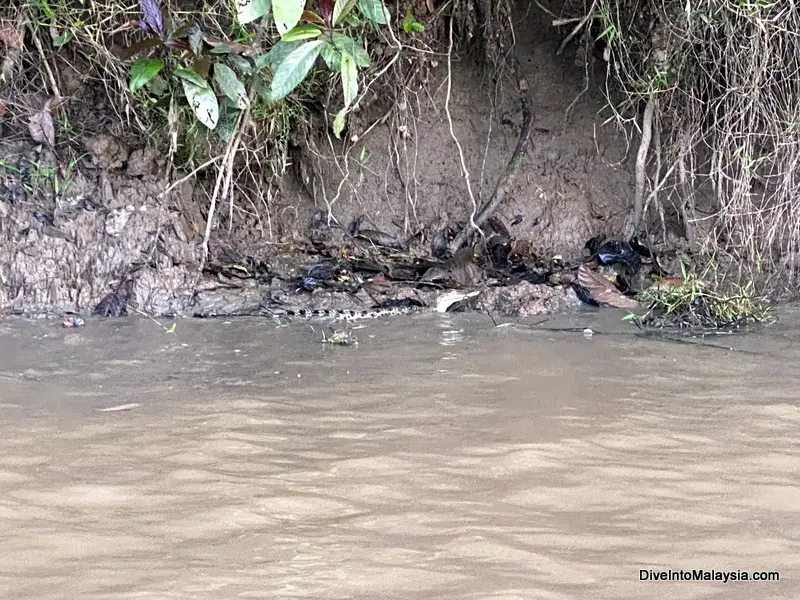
(440, 458)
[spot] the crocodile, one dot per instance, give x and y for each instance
(444, 303)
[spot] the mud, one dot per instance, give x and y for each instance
(64, 250)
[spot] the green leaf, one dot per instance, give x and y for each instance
(228, 115)
(287, 14)
(191, 76)
(62, 39)
(276, 55)
(332, 57)
(142, 71)
(241, 64)
(203, 103)
(301, 32)
(341, 9)
(250, 10)
(347, 44)
(375, 11)
(338, 123)
(230, 85)
(294, 68)
(349, 78)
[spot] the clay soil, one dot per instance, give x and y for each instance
(66, 251)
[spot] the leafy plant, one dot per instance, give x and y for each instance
(411, 25)
(692, 302)
(325, 35)
(305, 36)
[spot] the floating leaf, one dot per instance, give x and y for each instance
(602, 290)
(349, 78)
(230, 85)
(40, 126)
(142, 71)
(276, 55)
(152, 19)
(375, 11)
(250, 10)
(191, 76)
(203, 103)
(301, 32)
(287, 14)
(341, 9)
(294, 68)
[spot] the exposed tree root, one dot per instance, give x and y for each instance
(509, 176)
(641, 168)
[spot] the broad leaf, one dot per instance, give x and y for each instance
(228, 114)
(301, 32)
(142, 71)
(203, 103)
(287, 14)
(294, 68)
(250, 10)
(241, 64)
(375, 11)
(338, 123)
(276, 55)
(341, 9)
(152, 19)
(309, 16)
(603, 291)
(222, 47)
(230, 85)
(347, 44)
(326, 10)
(191, 76)
(140, 46)
(332, 57)
(349, 78)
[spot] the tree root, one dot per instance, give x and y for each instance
(635, 218)
(509, 176)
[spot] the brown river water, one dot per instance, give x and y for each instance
(440, 458)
